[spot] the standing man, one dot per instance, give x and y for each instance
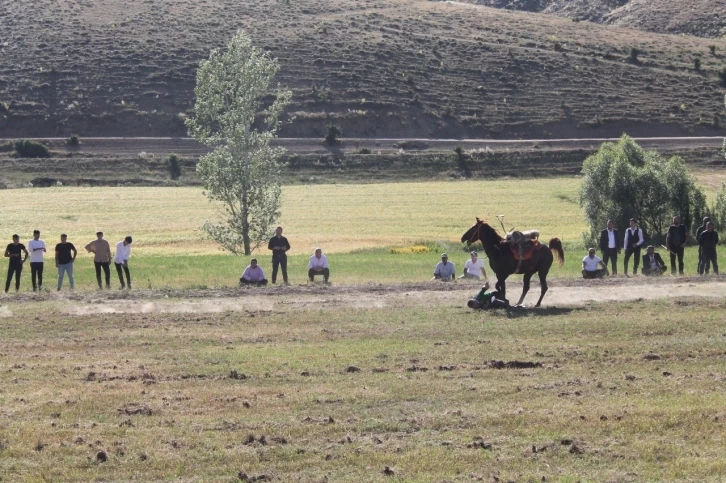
(64, 260)
(634, 241)
(707, 243)
(279, 246)
(444, 270)
(474, 268)
(36, 246)
(675, 243)
(13, 252)
(610, 246)
(318, 265)
(101, 259)
(700, 230)
(121, 260)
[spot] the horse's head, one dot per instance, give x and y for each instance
(481, 231)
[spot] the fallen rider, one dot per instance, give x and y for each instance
(488, 299)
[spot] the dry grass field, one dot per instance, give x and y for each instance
(405, 68)
(623, 391)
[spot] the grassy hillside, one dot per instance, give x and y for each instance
(703, 18)
(404, 68)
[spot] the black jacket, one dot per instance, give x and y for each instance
(604, 242)
(682, 234)
(658, 260)
(708, 240)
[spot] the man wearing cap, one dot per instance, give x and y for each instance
(318, 265)
(445, 270)
(36, 247)
(700, 230)
(253, 275)
(634, 241)
(65, 255)
(13, 251)
(590, 264)
(101, 258)
(474, 267)
(121, 261)
(653, 264)
(676, 243)
(707, 242)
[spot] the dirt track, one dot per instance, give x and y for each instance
(307, 297)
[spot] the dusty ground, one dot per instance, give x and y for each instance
(311, 297)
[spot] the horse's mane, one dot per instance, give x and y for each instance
(494, 230)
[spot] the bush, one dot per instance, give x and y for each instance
(634, 53)
(722, 75)
(334, 133)
(718, 209)
(697, 64)
(26, 148)
(459, 152)
(712, 48)
(364, 151)
(623, 181)
(72, 140)
(174, 167)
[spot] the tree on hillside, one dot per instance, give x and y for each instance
(242, 172)
(622, 181)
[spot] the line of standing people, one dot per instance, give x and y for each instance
(65, 256)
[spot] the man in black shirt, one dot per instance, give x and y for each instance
(707, 242)
(64, 260)
(675, 243)
(700, 230)
(610, 246)
(13, 252)
(279, 246)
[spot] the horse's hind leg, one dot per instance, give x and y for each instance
(543, 283)
(525, 289)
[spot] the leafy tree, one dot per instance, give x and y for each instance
(242, 172)
(622, 181)
(718, 210)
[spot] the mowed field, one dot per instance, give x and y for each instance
(627, 391)
(356, 225)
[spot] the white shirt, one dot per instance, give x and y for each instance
(630, 234)
(316, 262)
(591, 264)
(611, 239)
(36, 256)
(123, 252)
(474, 268)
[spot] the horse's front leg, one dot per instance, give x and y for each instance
(525, 288)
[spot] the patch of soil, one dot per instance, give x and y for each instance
(514, 364)
(136, 410)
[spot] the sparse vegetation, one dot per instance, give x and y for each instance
(697, 64)
(364, 151)
(333, 133)
(634, 53)
(722, 75)
(174, 167)
(27, 148)
(712, 49)
(72, 140)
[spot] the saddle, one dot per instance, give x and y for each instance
(522, 244)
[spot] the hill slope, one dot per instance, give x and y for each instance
(702, 18)
(384, 68)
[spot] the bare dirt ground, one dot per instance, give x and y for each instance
(313, 297)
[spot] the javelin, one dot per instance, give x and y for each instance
(666, 249)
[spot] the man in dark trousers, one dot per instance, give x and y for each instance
(700, 230)
(653, 264)
(13, 252)
(610, 246)
(634, 241)
(279, 246)
(707, 242)
(676, 243)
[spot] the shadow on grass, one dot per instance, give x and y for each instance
(514, 313)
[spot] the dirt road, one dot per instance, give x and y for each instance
(314, 297)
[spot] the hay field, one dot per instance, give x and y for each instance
(339, 218)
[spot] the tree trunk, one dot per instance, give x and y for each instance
(246, 222)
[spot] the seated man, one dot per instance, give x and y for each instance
(445, 270)
(318, 265)
(253, 275)
(652, 262)
(474, 268)
(488, 299)
(590, 264)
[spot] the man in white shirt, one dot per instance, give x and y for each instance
(610, 245)
(121, 260)
(590, 264)
(318, 265)
(474, 268)
(253, 275)
(36, 247)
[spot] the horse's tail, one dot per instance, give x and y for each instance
(557, 250)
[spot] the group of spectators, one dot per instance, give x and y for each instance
(65, 257)
(633, 242)
(279, 245)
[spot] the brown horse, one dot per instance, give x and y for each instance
(504, 264)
